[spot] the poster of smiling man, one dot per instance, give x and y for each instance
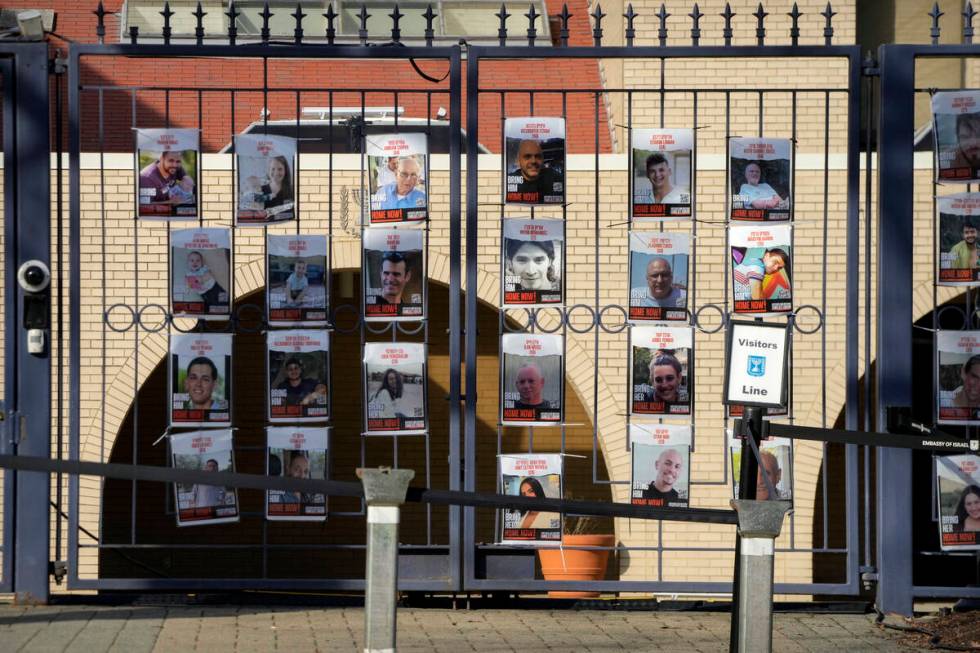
(395, 387)
(662, 173)
(204, 451)
(958, 494)
(296, 279)
(534, 160)
(531, 379)
(299, 374)
(959, 258)
(958, 377)
(661, 465)
(537, 476)
(167, 174)
(532, 262)
(956, 127)
(200, 273)
(266, 179)
(200, 379)
(658, 276)
(761, 179)
(660, 369)
(296, 452)
(397, 177)
(393, 274)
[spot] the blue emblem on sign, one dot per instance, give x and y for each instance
(757, 366)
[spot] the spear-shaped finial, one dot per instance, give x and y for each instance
(760, 25)
(696, 16)
(232, 15)
(502, 29)
(100, 22)
(199, 15)
(934, 30)
(532, 33)
(828, 29)
(630, 17)
(563, 32)
(396, 16)
(362, 32)
(968, 14)
(266, 16)
(331, 16)
(728, 14)
(429, 16)
(662, 32)
(166, 13)
(794, 31)
(597, 29)
(298, 16)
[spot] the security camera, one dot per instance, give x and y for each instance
(34, 276)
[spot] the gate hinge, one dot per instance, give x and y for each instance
(58, 66)
(58, 569)
(14, 426)
(869, 67)
(869, 576)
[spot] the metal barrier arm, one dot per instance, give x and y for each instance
(936, 441)
(352, 489)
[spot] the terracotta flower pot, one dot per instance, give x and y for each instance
(576, 564)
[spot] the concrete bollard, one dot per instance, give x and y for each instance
(384, 491)
(759, 523)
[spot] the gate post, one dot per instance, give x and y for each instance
(27, 178)
(894, 304)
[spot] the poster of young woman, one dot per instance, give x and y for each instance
(959, 257)
(958, 378)
(296, 280)
(299, 375)
(266, 179)
(296, 452)
(532, 387)
(395, 387)
(956, 126)
(762, 283)
(532, 262)
(167, 174)
(662, 173)
(534, 158)
(398, 177)
(200, 379)
(658, 276)
(661, 364)
(661, 465)
(393, 274)
(761, 179)
(531, 475)
(958, 494)
(200, 273)
(777, 460)
(204, 451)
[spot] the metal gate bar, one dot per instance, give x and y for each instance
(9, 109)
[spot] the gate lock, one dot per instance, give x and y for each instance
(34, 278)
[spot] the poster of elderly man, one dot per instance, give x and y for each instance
(167, 174)
(296, 452)
(531, 475)
(761, 172)
(204, 451)
(777, 464)
(393, 274)
(662, 174)
(395, 387)
(958, 495)
(532, 387)
(661, 370)
(958, 255)
(296, 279)
(299, 375)
(266, 179)
(658, 276)
(200, 379)
(956, 126)
(958, 378)
(534, 160)
(397, 169)
(661, 465)
(532, 262)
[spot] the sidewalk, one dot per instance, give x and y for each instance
(213, 629)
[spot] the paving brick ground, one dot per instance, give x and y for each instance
(213, 629)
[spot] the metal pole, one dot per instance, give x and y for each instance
(384, 490)
(759, 523)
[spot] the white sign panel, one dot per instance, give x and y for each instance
(755, 374)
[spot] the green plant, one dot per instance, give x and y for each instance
(587, 525)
